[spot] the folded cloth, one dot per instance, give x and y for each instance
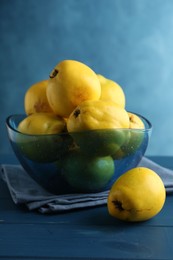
(24, 190)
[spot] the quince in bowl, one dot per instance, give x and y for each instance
(84, 161)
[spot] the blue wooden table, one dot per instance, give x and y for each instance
(83, 234)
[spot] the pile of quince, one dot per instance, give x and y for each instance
(79, 116)
(79, 121)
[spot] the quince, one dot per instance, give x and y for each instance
(42, 123)
(71, 82)
(137, 195)
(134, 138)
(111, 91)
(87, 174)
(98, 114)
(98, 127)
(135, 121)
(36, 99)
(40, 137)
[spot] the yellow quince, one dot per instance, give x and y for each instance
(35, 100)
(134, 138)
(42, 123)
(137, 195)
(71, 82)
(98, 127)
(111, 91)
(99, 114)
(40, 138)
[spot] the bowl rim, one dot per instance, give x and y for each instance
(148, 127)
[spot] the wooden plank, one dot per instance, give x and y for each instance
(96, 242)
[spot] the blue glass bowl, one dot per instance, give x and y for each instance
(89, 161)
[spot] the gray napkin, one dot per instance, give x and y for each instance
(24, 190)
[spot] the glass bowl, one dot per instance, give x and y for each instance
(89, 161)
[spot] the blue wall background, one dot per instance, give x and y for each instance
(129, 41)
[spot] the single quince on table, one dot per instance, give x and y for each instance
(137, 195)
(71, 82)
(98, 127)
